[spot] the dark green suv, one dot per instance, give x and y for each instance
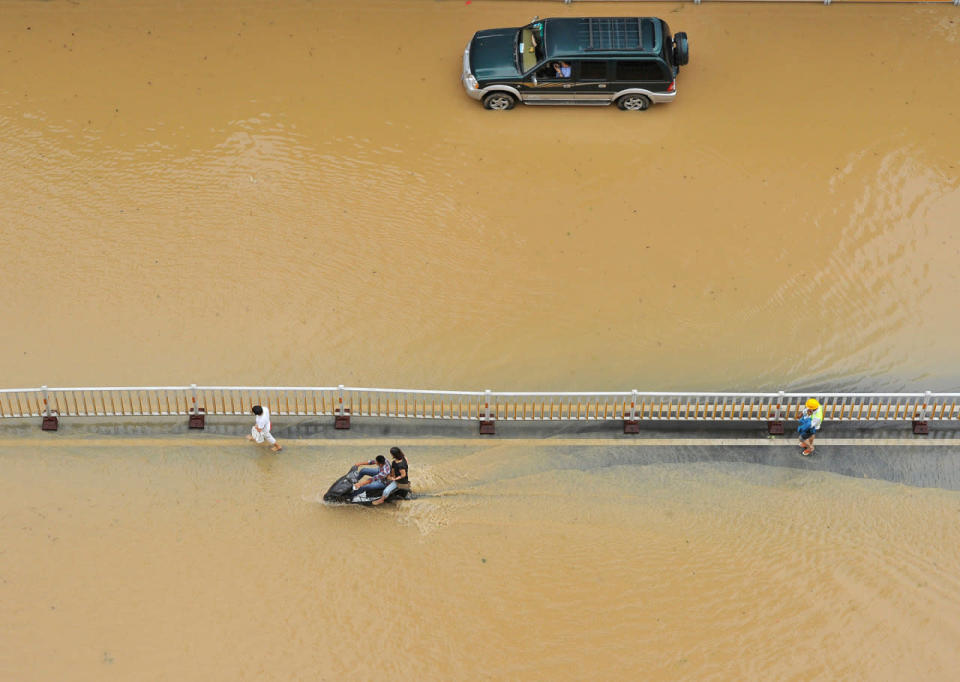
(632, 61)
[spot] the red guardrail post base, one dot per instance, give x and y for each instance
(920, 428)
(487, 427)
(342, 421)
(631, 426)
(775, 428)
(50, 423)
(198, 420)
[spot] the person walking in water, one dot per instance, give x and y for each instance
(261, 429)
(810, 424)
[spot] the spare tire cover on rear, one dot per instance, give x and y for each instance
(681, 49)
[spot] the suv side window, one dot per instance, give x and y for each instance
(546, 72)
(640, 70)
(593, 71)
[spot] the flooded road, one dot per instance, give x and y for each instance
(246, 193)
(513, 563)
(299, 193)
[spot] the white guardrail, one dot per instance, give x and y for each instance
(347, 401)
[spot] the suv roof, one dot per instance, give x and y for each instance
(600, 35)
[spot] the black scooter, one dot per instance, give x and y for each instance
(342, 491)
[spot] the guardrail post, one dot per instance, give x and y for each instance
(632, 424)
(486, 423)
(197, 414)
(775, 426)
(341, 417)
(50, 422)
(920, 427)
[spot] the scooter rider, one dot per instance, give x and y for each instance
(398, 474)
(378, 476)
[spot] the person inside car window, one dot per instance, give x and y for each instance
(561, 69)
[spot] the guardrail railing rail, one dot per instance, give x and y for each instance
(344, 403)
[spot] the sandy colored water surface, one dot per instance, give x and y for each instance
(300, 193)
(514, 563)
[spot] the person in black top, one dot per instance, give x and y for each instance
(398, 474)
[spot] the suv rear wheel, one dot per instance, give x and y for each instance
(633, 102)
(499, 101)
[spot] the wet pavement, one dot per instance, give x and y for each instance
(889, 452)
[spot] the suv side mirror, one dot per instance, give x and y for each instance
(533, 79)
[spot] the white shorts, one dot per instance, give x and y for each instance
(260, 436)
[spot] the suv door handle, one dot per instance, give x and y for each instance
(568, 85)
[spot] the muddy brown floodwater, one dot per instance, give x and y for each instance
(299, 193)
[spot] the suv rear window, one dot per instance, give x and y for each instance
(640, 71)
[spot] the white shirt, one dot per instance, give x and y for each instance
(263, 420)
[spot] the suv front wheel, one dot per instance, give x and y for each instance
(633, 102)
(499, 101)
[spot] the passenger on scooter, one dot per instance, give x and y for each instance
(398, 474)
(378, 480)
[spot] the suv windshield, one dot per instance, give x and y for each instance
(530, 47)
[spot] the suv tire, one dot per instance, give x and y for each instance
(681, 49)
(499, 101)
(634, 102)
